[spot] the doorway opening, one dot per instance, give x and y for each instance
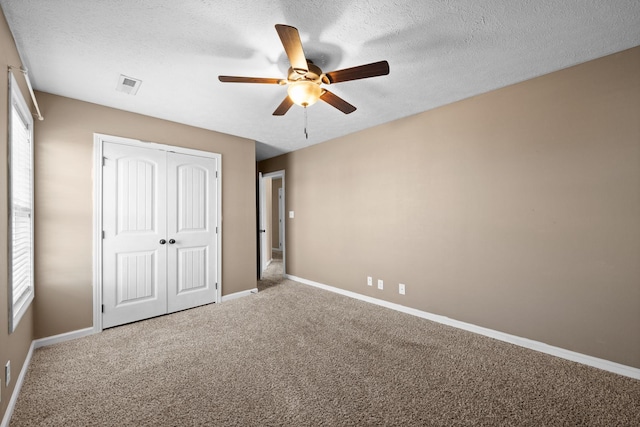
(272, 230)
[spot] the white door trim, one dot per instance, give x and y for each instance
(98, 142)
(277, 174)
(264, 262)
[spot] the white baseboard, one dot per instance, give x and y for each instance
(16, 389)
(43, 342)
(627, 371)
(239, 294)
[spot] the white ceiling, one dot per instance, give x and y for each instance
(439, 51)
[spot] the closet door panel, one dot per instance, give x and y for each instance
(191, 230)
(134, 283)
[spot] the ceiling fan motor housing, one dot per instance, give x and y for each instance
(314, 73)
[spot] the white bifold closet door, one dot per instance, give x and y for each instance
(160, 236)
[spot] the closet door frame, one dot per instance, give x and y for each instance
(98, 143)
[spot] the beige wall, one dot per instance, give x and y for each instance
(517, 210)
(64, 204)
(13, 347)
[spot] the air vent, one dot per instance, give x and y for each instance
(128, 85)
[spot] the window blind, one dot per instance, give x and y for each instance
(21, 207)
(22, 235)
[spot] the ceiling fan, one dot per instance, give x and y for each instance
(304, 78)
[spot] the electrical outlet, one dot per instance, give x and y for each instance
(7, 373)
(369, 281)
(380, 284)
(401, 288)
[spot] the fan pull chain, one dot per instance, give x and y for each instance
(306, 134)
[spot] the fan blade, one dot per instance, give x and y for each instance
(361, 72)
(293, 47)
(235, 79)
(337, 102)
(283, 107)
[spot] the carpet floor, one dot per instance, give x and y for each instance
(293, 355)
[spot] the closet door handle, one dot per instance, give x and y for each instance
(162, 241)
(171, 241)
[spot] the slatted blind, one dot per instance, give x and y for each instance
(21, 206)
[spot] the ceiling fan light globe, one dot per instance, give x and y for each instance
(304, 93)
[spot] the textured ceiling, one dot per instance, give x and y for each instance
(439, 51)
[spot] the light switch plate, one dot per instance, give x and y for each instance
(291, 215)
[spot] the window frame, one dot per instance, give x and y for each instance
(18, 103)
